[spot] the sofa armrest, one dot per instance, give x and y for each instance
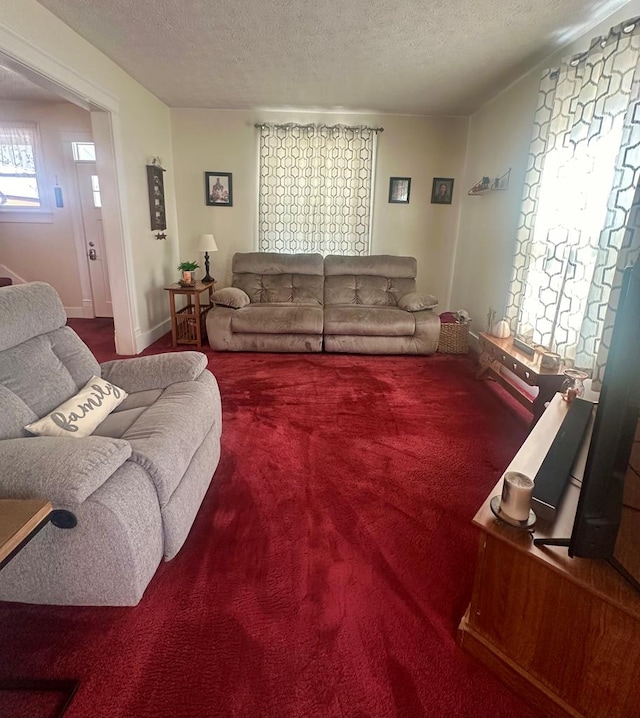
(414, 302)
(154, 372)
(63, 470)
(232, 297)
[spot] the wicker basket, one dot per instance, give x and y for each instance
(454, 338)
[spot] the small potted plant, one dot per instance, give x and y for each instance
(188, 270)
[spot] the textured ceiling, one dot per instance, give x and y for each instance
(413, 56)
(15, 87)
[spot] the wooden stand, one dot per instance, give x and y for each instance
(562, 632)
(20, 521)
(496, 353)
(188, 323)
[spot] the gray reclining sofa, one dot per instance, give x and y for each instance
(135, 485)
(304, 303)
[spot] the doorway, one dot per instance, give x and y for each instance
(106, 127)
(92, 238)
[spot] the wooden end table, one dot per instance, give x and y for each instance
(496, 353)
(20, 521)
(188, 323)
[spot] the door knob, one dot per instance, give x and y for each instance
(92, 255)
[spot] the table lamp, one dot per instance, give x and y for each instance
(207, 243)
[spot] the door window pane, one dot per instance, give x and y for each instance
(95, 187)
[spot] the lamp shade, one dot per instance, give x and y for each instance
(207, 243)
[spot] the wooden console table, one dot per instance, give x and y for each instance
(496, 353)
(188, 322)
(561, 632)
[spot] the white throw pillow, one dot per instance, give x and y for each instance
(80, 415)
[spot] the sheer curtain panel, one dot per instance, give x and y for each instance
(316, 188)
(18, 179)
(584, 163)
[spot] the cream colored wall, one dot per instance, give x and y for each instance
(45, 251)
(499, 138)
(418, 147)
(141, 129)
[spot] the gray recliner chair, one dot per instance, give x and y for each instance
(135, 485)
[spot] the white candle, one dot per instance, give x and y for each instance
(516, 495)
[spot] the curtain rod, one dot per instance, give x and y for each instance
(616, 32)
(260, 125)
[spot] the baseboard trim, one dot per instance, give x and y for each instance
(87, 309)
(144, 339)
(75, 313)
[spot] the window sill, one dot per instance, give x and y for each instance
(26, 217)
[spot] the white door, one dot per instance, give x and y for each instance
(89, 191)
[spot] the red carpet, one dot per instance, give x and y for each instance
(328, 567)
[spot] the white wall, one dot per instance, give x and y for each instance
(140, 127)
(499, 138)
(45, 250)
(418, 147)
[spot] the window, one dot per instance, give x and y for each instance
(573, 239)
(95, 188)
(316, 185)
(84, 151)
(19, 188)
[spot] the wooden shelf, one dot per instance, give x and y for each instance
(487, 185)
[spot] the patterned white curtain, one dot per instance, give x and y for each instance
(18, 178)
(584, 167)
(17, 141)
(316, 184)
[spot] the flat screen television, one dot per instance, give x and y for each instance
(607, 522)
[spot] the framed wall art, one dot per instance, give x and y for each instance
(399, 189)
(156, 197)
(218, 189)
(442, 190)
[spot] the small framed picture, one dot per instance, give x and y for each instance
(218, 189)
(442, 190)
(399, 189)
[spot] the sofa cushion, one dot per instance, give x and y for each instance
(277, 263)
(271, 277)
(274, 288)
(15, 415)
(381, 265)
(124, 416)
(115, 425)
(366, 289)
(368, 321)
(46, 370)
(45, 314)
(277, 319)
(231, 297)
